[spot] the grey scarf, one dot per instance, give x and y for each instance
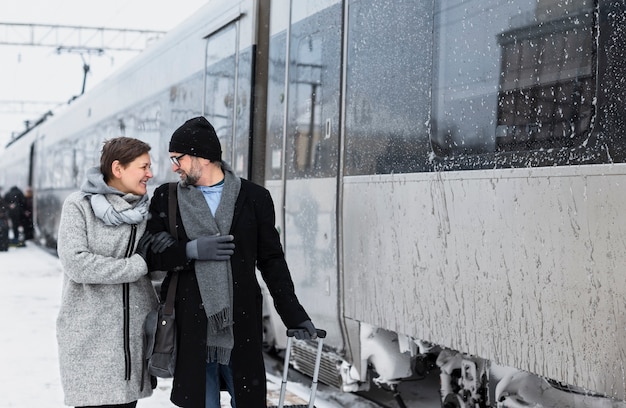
(132, 209)
(214, 277)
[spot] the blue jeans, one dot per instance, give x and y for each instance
(215, 371)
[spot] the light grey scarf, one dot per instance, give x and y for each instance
(214, 277)
(96, 189)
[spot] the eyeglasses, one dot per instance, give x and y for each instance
(174, 159)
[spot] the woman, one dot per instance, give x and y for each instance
(106, 290)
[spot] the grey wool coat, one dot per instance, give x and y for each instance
(105, 299)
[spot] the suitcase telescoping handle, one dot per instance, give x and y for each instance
(321, 334)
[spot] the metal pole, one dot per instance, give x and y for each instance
(283, 385)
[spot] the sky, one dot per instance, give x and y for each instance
(40, 74)
(32, 280)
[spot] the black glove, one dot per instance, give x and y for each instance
(211, 248)
(305, 331)
(161, 241)
(144, 245)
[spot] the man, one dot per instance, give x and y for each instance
(225, 226)
(16, 203)
(27, 215)
(4, 224)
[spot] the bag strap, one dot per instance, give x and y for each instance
(172, 204)
(171, 290)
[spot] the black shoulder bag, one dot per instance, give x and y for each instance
(160, 324)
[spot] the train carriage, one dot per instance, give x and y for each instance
(448, 178)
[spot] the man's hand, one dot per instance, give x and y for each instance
(305, 331)
(211, 248)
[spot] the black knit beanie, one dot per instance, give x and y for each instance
(197, 137)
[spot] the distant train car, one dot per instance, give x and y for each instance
(205, 65)
(449, 176)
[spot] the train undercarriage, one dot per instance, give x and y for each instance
(465, 381)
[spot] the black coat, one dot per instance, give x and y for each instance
(257, 244)
(15, 203)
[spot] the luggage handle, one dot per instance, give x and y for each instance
(321, 334)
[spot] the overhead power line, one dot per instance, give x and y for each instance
(67, 39)
(86, 39)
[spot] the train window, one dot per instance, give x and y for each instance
(62, 160)
(276, 95)
(275, 106)
(221, 99)
(388, 98)
(241, 134)
(314, 74)
(80, 164)
(512, 75)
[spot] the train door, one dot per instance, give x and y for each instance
(302, 149)
(228, 87)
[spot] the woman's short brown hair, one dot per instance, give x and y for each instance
(124, 149)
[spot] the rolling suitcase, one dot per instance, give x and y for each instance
(321, 334)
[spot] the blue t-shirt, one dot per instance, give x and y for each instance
(212, 195)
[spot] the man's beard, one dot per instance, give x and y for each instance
(188, 179)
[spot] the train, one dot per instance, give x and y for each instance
(449, 179)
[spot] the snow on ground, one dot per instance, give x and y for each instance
(28, 352)
(30, 302)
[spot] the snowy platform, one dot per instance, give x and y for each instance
(32, 280)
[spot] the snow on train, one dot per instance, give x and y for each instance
(450, 178)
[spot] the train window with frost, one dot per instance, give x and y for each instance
(314, 74)
(512, 76)
(275, 106)
(221, 98)
(389, 58)
(63, 164)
